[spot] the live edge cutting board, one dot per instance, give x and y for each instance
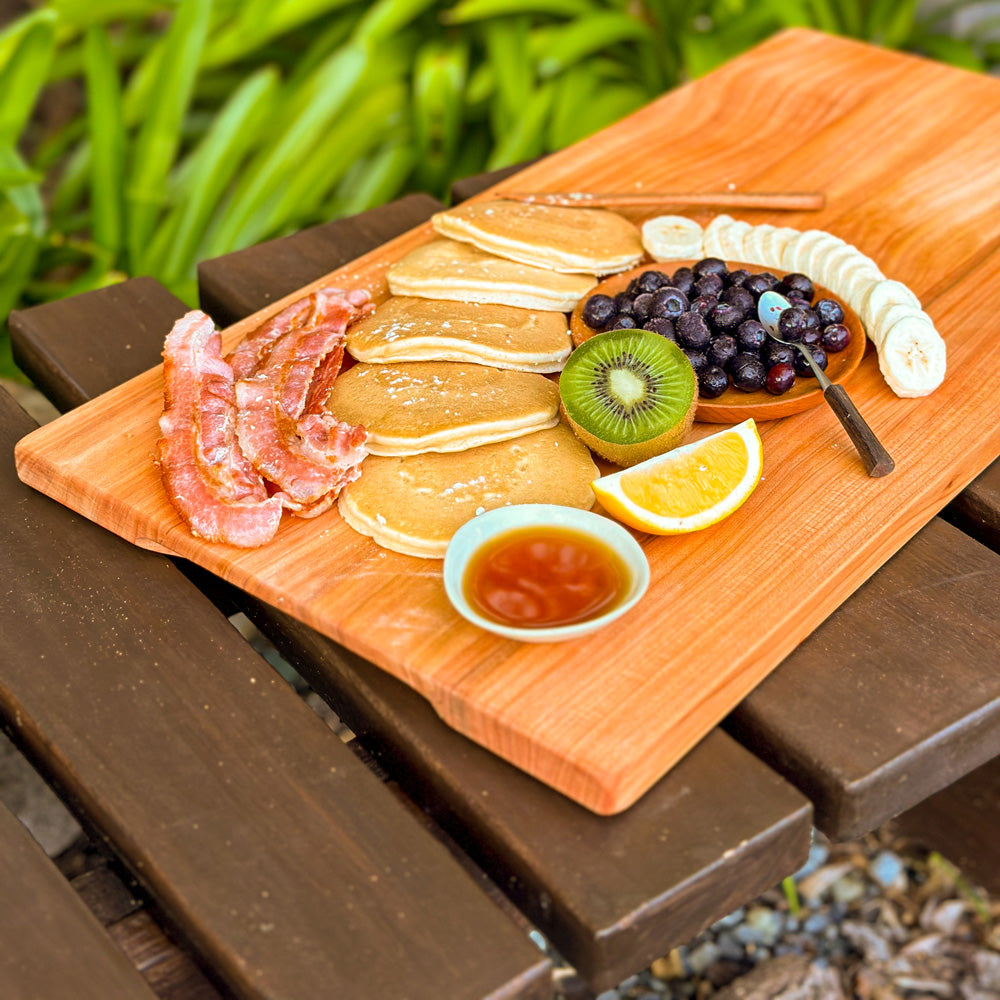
(906, 152)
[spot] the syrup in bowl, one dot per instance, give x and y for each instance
(541, 573)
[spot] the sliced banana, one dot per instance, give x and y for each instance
(731, 240)
(712, 242)
(855, 282)
(912, 356)
(819, 250)
(672, 237)
(888, 317)
(882, 295)
(799, 247)
(754, 249)
(775, 242)
(830, 264)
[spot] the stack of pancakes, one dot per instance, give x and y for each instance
(451, 382)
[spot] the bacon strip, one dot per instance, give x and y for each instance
(308, 454)
(207, 477)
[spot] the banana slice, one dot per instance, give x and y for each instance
(712, 242)
(672, 237)
(731, 239)
(820, 249)
(854, 283)
(775, 242)
(754, 248)
(799, 248)
(912, 356)
(882, 295)
(889, 316)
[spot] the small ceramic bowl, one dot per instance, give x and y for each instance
(475, 533)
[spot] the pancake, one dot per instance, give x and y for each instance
(447, 269)
(442, 405)
(410, 329)
(572, 240)
(416, 503)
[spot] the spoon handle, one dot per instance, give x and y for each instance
(877, 460)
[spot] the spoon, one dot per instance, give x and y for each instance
(877, 460)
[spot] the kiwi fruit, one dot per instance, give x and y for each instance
(629, 395)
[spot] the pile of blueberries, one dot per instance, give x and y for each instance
(711, 312)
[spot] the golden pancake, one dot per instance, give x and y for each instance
(447, 269)
(411, 329)
(572, 240)
(414, 504)
(442, 405)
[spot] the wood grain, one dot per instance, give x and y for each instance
(923, 202)
(52, 946)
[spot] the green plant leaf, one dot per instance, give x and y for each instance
(159, 135)
(375, 180)
(209, 170)
(22, 76)
(24, 198)
(304, 115)
(526, 139)
(467, 11)
(584, 37)
(439, 78)
(385, 18)
(107, 134)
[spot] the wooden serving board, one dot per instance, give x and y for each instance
(906, 152)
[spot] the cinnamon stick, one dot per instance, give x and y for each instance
(795, 201)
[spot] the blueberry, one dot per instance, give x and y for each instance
(703, 304)
(709, 265)
(775, 353)
(661, 325)
(724, 318)
(797, 282)
(751, 336)
(810, 336)
(598, 311)
(683, 279)
(737, 278)
(739, 297)
(697, 359)
(712, 382)
(709, 284)
(722, 350)
(642, 306)
(780, 377)
(757, 284)
(791, 323)
(623, 303)
(748, 372)
(829, 311)
(623, 321)
(835, 337)
(692, 331)
(669, 302)
(649, 281)
(802, 366)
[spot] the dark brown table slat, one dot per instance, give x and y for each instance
(274, 852)
(562, 866)
(53, 947)
(240, 283)
(976, 510)
(895, 695)
(961, 822)
(612, 893)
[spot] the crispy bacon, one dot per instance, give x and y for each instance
(208, 479)
(281, 426)
(246, 436)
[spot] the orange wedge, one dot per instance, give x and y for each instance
(689, 488)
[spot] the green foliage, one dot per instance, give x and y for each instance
(206, 125)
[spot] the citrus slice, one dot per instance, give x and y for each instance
(689, 488)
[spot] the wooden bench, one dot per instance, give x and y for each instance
(265, 845)
(53, 946)
(715, 832)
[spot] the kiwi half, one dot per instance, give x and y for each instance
(629, 395)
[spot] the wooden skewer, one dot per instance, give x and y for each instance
(787, 201)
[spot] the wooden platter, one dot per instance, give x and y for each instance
(735, 405)
(602, 718)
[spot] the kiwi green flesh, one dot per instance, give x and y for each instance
(627, 387)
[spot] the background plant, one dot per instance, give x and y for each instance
(141, 136)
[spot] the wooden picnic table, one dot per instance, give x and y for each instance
(282, 863)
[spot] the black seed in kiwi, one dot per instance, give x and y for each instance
(629, 395)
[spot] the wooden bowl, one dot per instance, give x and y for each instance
(734, 405)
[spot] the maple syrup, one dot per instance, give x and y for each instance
(539, 577)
